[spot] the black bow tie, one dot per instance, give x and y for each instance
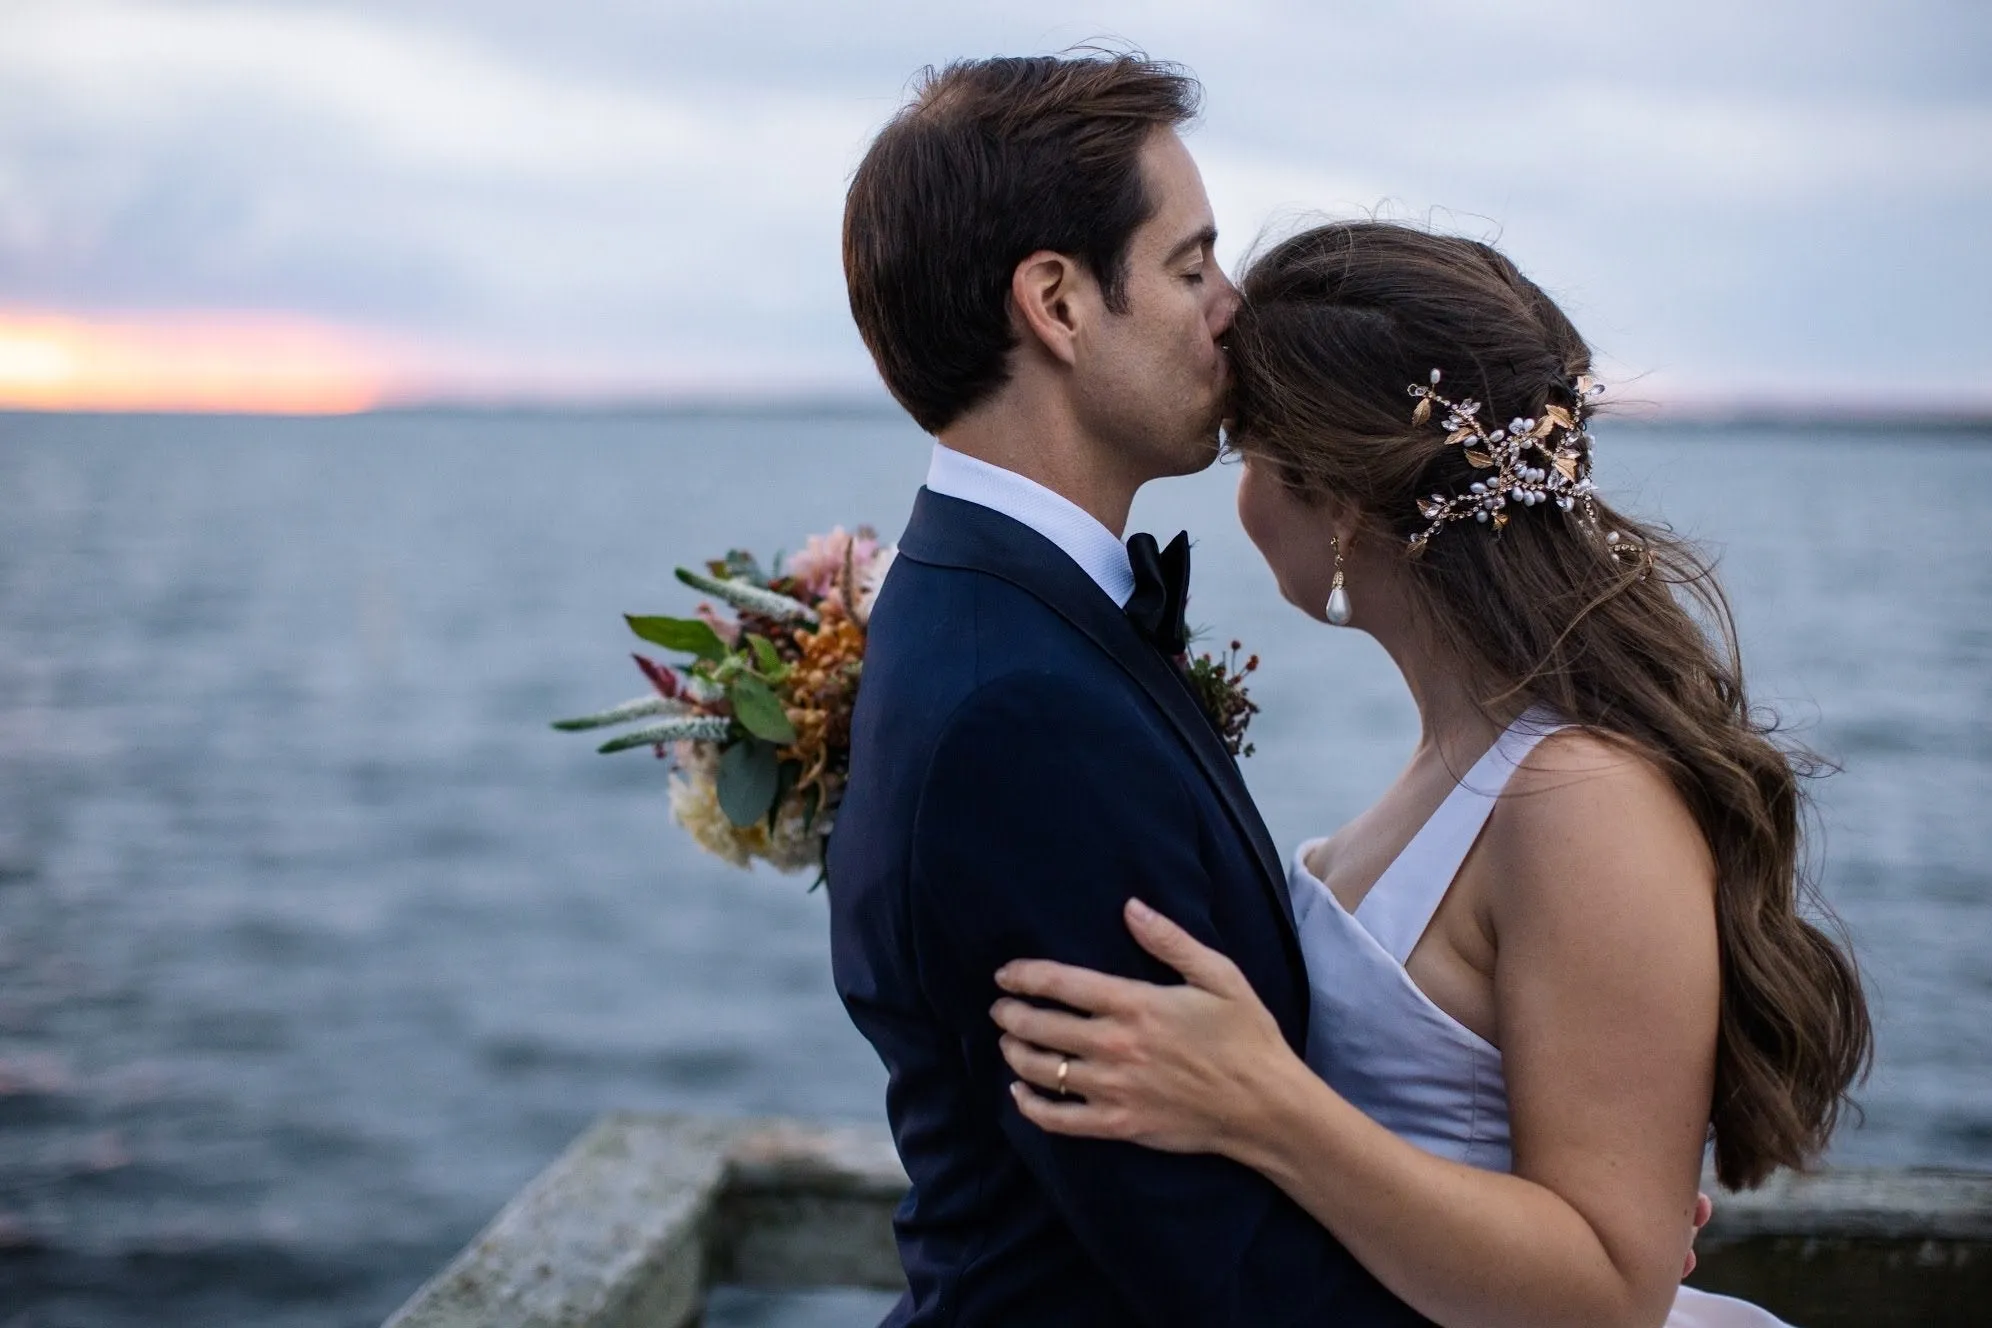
(1161, 591)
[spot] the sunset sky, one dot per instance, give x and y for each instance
(329, 205)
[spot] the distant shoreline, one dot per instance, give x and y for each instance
(1851, 420)
(1639, 415)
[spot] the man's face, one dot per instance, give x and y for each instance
(1152, 381)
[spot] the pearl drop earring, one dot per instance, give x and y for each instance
(1338, 611)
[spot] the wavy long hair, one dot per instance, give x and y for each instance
(1640, 649)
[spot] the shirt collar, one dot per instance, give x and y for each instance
(1099, 553)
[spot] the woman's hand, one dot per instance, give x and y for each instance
(1181, 1068)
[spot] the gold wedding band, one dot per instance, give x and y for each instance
(1064, 1068)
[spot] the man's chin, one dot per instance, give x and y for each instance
(1201, 453)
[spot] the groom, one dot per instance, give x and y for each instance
(1029, 255)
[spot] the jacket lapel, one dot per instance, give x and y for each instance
(948, 532)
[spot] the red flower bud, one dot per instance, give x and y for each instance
(665, 681)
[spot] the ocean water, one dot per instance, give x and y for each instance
(316, 943)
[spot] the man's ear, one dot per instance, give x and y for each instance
(1052, 294)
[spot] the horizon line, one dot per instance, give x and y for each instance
(277, 363)
(1740, 411)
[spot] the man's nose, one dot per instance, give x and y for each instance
(1226, 306)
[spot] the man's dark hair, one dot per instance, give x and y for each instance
(992, 161)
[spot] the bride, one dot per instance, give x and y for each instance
(1562, 956)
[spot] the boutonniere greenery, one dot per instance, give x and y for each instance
(1219, 684)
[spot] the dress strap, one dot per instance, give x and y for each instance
(1400, 905)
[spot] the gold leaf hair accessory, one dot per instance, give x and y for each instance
(1543, 460)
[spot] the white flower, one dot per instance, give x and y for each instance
(871, 581)
(695, 806)
(791, 848)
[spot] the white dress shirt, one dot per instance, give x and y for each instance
(1099, 553)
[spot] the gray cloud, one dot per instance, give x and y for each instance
(1767, 197)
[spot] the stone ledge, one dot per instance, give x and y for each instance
(631, 1225)
(1885, 1205)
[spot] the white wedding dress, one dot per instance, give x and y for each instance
(1382, 1043)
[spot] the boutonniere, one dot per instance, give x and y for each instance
(1219, 683)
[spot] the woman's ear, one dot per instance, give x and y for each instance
(1049, 291)
(1344, 521)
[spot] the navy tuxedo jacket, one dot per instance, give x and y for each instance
(1022, 762)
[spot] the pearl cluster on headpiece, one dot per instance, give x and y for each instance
(1559, 472)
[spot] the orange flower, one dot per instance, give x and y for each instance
(821, 688)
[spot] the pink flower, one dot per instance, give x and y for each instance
(820, 564)
(727, 630)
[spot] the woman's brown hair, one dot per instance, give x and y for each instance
(1633, 640)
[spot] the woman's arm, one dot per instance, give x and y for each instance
(1606, 987)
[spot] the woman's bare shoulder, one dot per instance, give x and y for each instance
(1583, 808)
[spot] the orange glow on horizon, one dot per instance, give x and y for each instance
(195, 362)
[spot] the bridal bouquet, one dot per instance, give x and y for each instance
(758, 719)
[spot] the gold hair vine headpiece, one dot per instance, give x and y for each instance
(1558, 437)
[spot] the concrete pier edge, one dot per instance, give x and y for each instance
(644, 1213)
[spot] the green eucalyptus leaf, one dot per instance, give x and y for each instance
(694, 636)
(765, 658)
(758, 709)
(787, 778)
(748, 776)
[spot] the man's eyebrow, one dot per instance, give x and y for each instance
(1206, 236)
